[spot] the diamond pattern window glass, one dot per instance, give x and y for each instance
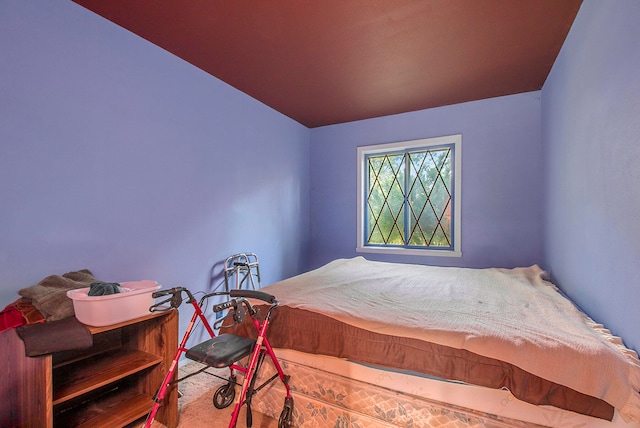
(409, 197)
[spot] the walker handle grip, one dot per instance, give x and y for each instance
(253, 294)
(162, 293)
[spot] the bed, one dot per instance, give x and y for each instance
(504, 331)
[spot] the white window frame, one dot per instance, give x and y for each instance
(456, 141)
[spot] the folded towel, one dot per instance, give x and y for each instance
(49, 296)
(55, 336)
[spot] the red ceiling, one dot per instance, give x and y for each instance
(323, 62)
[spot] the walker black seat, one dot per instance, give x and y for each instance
(222, 350)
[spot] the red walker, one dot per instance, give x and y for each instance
(225, 350)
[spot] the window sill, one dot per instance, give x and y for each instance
(409, 252)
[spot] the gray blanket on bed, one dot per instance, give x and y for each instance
(49, 296)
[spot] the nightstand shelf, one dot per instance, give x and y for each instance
(107, 411)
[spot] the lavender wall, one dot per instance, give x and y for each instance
(119, 157)
(591, 137)
(501, 179)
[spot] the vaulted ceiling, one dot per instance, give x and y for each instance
(324, 62)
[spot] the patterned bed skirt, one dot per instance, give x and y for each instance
(323, 399)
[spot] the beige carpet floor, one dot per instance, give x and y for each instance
(195, 406)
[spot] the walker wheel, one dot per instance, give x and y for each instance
(224, 396)
(286, 417)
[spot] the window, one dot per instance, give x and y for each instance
(409, 197)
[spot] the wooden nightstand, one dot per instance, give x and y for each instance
(111, 384)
